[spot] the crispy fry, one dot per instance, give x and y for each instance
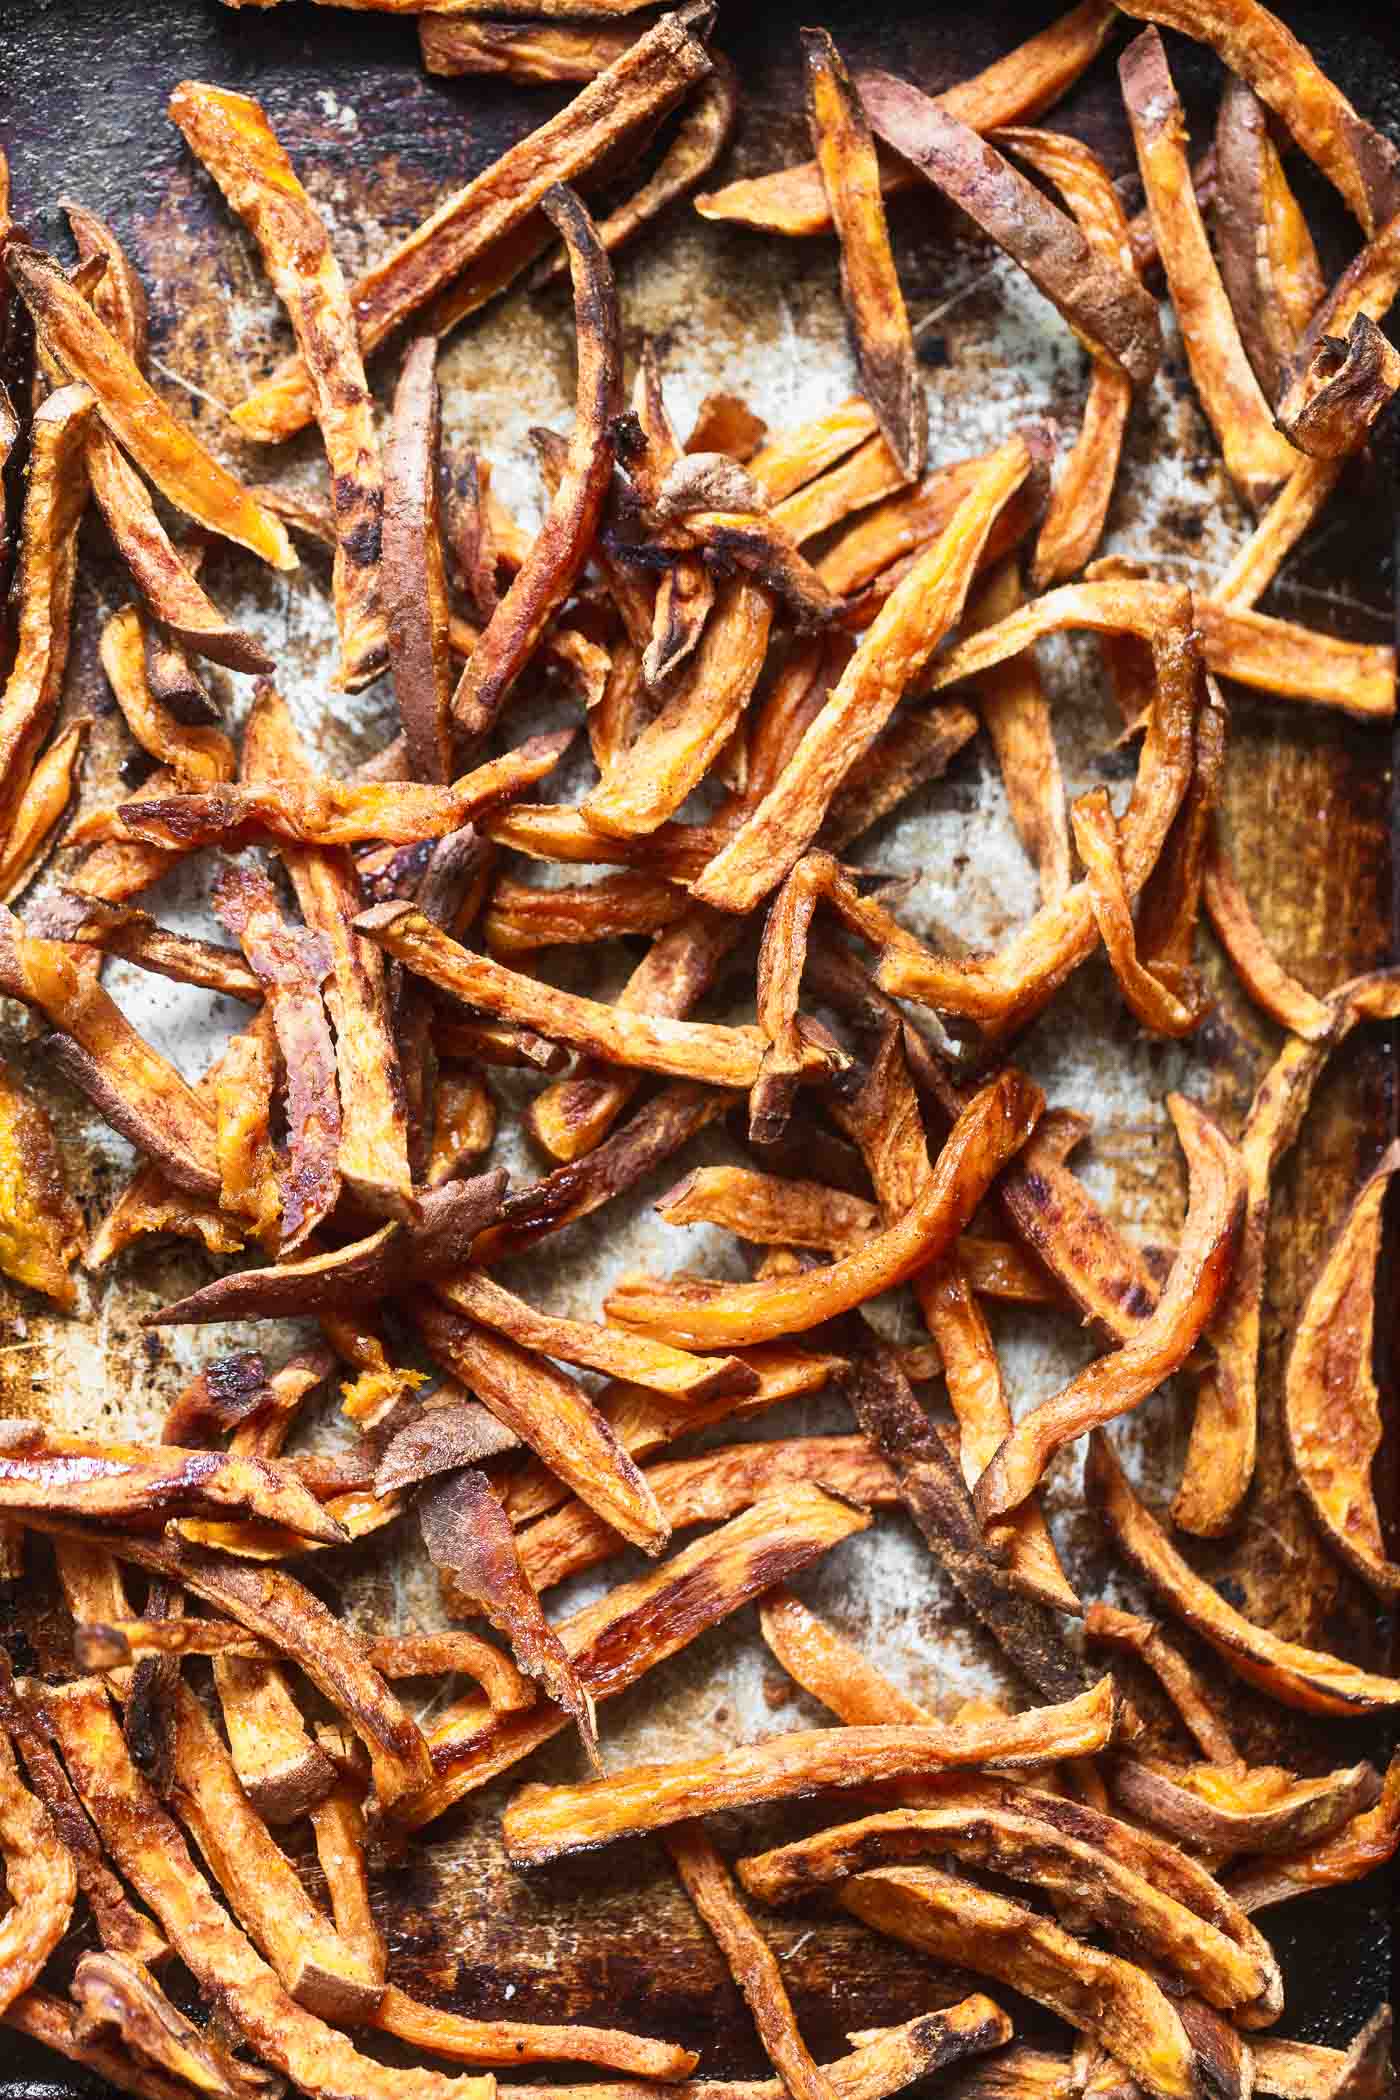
(1015, 89)
(197, 757)
(119, 297)
(875, 310)
(832, 1668)
(1268, 263)
(41, 1227)
(114, 1644)
(136, 416)
(521, 917)
(231, 135)
(1234, 1808)
(413, 581)
(40, 1879)
(1305, 2071)
(468, 1534)
(52, 2022)
(1346, 386)
(543, 1822)
(1366, 288)
(517, 2041)
(557, 831)
(444, 1434)
(1163, 995)
(1014, 708)
(1145, 1639)
(726, 423)
(1367, 1841)
(115, 1996)
(1263, 977)
(896, 648)
(122, 929)
(1283, 524)
(1331, 1406)
(530, 52)
(1360, 164)
(1098, 1994)
(1294, 1675)
(637, 1625)
(881, 546)
(44, 799)
(769, 1210)
(442, 1654)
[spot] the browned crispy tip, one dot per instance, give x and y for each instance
(1345, 385)
(533, 53)
(1362, 165)
(50, 2021)
(770, 1210)
(1145, 1639)
(442, 1435)
(1100, 1994)
(1014, 89)
(1257, 456)
(120, 297)
(790, 1039)
(469, 1535)
(1104, 304)
(120, 2004)
(199, 756)
(125, 930)
(1368, 287)
(41, 1227)
(875, 310)
(136, 416)
(1268, 263)
(413, 575)
(1242, 1808)
(1296, 1676)
(1362, 1844)
(360, 1274)
(558, 553)
(545, 1822)
(40, 1878)
(1308, 2071)
(112, 1644)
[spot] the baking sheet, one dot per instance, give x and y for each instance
(377, 142)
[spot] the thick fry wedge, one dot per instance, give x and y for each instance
(1268, 263)
(1294, 1675)
(544, 1822)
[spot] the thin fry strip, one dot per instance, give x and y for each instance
(41, 1227)
(41, 805)
(1264, 978)
(1283, 524)
(1294, 1675)
(413, 584)
(543, 1822)
(769, 1210)
(1268, 263)
(1145, 1639)
(1013, 706)
(520, 2041)
(893, 652)
(884, 346)
(521, 917)
(1162, 994)
(832, 1668)
(119, 296)
(483, 235)
(529, 52)
(138, 419)
(198, 756)
(398, 1655)
(750, 1960)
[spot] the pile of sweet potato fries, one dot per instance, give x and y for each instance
(808, 627)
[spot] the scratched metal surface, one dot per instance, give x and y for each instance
(82, 93)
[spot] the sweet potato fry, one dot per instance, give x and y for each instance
(444, 1434)
(469, 1535)
(115, 1997)
(136, 416)
(771, 1211)
(231, 135)
(1364, 1843)
(1366, 288)
(1272, 988)
(122, 929)
(1268, 263)
(1145, 1639)
(1331, 1409)
(1235, 1808)
(545, 1822)
(1306, 2071)
(626, 1633)
(875, 310)
(198, 757)
(520, 2041)
(1098, 1994)
(1345, 386)
(863, 477)
(119, 296)
(413, 582)
(549, 1411)
(547, 575)
(1014, 89)
(1163, 995)
(1360, 164)
(916, 748)
(1294, 1675)
(521, 918)
(1013, 1842)
(558, 831)
(1283, 524)
(41, 1227)
(832, 1668)
(149, 1849)
(52, 2021)
(398, 1655)
(114, 1644)
(40, 1879)
(45, 797)
(895, 650)
(1013, 706)
(529, 52)
(991, 1131)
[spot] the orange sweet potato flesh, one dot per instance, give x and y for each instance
(1243, 1808)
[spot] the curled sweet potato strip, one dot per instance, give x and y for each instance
(1268, 263)
(1163, 995)
(530, 52)
(545, 1822)
(992, 1129)
(482, 236)
(1283, 524)
(521, 2041)
(439, 1654)
(547, 575)
(1235, 1808)
(1145, 1639)
(875, 310)
(1362, 166)
(414, 579)
(197, 756)
(1346, 384)
(1099, 1994)
(637, 1625)
(1014, 89)
(1331, 1410)
(1257, 457)
(41, 1227)
(1014, 708)
(1362, 1844)
(894, 651)
(136, 416)
(1294, 1675)
(750, 1960)
(468, 1534)
(40, 1878)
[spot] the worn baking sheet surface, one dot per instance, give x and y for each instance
(377, 143)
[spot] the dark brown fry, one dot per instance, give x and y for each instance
(444, 1434)
(1345, 386)
(413, 580)
(1268, 263)
(116, 1997)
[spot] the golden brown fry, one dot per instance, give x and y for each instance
(197, 757)
(796, 458)
(894, 651)
(45, 797)
(41, 1227)
(991, 1131)
(1306, 2071)
(1361, 165)
(231, 135)
(119, 929)
(880, 546)
(115, 1996)
(1368, 1841)
(1257, 457)
(1294, 1675)
(1242, 1808)
(771, 1211)
(1014, 708)
(863, 477)
(875, 310)
(549, 1411)
(1345, 386)
(1268, 263)
(749, 1958)
(1163, 995)
(1014, 89)
(1331, 1410)
(119, 297)
(398, 1655)
(1145, 1639)
(832, 1668)
(543, 1822)
(115, 1643)
(522, 917)
(1283, 524)
(531, 52)
(413, 582)
(558, 831)
(1098, 1994)
(1263, 977)
(40, 1879)
(138, 419)
(639, 1624)
(518, 2041)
